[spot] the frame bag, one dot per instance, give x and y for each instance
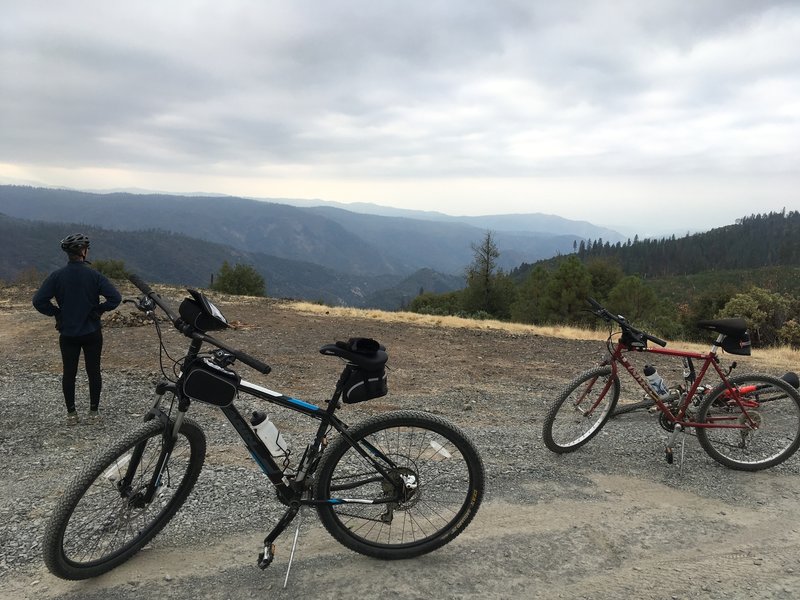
(210, 383)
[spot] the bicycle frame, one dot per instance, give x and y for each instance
(748, 421)
(293, 490)
(617, 355)
(290, 492)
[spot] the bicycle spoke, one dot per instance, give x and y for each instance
(97, 525)
(425, 490)
(767, 415)
(581, 410)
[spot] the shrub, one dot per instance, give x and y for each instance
(113, 269)
(241, 280)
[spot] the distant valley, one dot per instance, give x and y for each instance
(323, 252)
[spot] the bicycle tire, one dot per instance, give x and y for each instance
(778, 416)
(450, 485)
(566, 426)
(93, 529)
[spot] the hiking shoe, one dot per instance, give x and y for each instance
(94, 417)
(72, 418)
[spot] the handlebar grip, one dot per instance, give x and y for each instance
(655, 340)
(259, 366)
(595, 304)
(137, 281)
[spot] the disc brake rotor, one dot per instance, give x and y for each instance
(405, 480)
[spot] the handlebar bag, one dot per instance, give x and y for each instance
(364, 385)
(210, 383)
(200, 313)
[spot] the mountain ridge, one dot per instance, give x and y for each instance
(333, 254)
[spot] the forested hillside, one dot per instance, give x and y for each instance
(749, 269)
(753, 242)
(31, 250)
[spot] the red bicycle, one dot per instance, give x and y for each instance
(748, 422)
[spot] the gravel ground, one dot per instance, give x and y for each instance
(612, 520)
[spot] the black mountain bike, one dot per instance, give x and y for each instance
(394, 486)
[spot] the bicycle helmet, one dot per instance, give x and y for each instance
(73, 244)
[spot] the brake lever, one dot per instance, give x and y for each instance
(223, 358)
(143, 303)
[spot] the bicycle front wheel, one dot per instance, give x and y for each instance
(759, 431)
(100, 523)
(408, 484)
(581, 410)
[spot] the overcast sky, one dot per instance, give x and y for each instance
(628, 113)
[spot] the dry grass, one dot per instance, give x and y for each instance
(557, 331)
(781, 358)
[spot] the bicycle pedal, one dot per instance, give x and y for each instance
(266, 557)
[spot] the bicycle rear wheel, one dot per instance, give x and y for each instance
(431, 488)
(96, 525)
(771, 414)
(581, 410)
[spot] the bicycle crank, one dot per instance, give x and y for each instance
(266, 557)
(671, 443)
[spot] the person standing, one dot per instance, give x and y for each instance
(77, 288)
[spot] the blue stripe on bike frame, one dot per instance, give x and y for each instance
(259, 463)
(335, 501)
(306, 405)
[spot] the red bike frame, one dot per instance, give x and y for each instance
(709, 359)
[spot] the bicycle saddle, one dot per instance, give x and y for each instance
(733, 327)
(363, 352)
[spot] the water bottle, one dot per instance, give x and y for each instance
(269, 434)
(655, 381)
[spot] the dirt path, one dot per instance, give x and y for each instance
(630, 541)
(609, 521)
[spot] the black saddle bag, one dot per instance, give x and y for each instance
(364, 385)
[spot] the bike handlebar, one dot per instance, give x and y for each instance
(193, 333)
(148, 291)
(601, 312)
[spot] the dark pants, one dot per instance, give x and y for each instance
(92, 346)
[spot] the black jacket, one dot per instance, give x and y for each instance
(77, 289)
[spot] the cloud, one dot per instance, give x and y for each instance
(445, 90)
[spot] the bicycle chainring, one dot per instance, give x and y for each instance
(665, 423)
